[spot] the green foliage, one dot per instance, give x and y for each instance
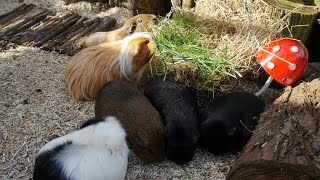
(182, 39)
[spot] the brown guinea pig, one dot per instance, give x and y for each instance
(142, 122)
(92, 67)
(139, 23)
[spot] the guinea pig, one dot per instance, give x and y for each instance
(140, 119)
(139, 23)
(92, 67)
(178, 108)
(228, 121)
(96, 151)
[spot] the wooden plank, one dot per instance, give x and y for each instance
(307, 7)
(300, 26)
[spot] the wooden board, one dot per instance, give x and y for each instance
(30, 25)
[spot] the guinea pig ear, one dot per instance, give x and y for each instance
(132, 27)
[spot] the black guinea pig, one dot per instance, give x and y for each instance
(140, 119)
(228, 121)
(179, 111)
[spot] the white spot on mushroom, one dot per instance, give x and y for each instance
(288, 80)
(271, 65)
(292, 67)
(276, 48)
(294, 49)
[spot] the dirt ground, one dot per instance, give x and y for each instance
(35, 108)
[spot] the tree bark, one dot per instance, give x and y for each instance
(286, 142)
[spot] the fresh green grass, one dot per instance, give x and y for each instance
(182, 39)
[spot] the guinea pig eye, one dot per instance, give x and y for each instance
(139, 21)
(140, 142)
(150, 151)
(146, 41)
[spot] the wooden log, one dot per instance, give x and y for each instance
(53, 24)
(57, 31)
(18, 16)
(81, 28)
(42, 32)
(24, 37)
(68, 45)
(74, 47)
(286, 142)
(15, 13)
(28, 22)
(106, 24)
(52, 27)
(91, 1)
(63, 36)
(55, 40)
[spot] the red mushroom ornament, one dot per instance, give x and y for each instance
(284, 59)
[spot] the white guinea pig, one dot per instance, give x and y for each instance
(96, 151)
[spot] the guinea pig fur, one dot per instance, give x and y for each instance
(140, 119)
(228, 121)
(179, 110)
(139, 23)
(96, 151)
(92, 67)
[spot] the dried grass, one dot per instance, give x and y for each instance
(230, 27)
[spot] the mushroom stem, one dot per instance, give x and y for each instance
(265, 86)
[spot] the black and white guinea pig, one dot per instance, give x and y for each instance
(96, 151)
(228, 121)
(179, 111)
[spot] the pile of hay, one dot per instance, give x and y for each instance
(214, 45)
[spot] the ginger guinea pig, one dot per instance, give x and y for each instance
(96, 151)
(139, 23)
(92, 67)
(178, 108)
(140, 119)
(228, 121)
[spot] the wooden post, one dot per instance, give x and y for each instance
(286, 142)
(303, 16)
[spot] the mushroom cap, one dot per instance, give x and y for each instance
(284, 59)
